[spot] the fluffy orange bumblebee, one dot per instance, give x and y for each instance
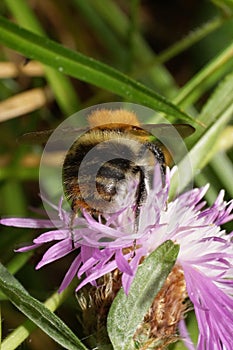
(116, 151)
(113, 153)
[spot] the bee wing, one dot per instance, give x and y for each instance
(169, 130)
(41, 137)
(35, 137)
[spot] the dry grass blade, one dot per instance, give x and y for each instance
(24, 102)
(13, 70)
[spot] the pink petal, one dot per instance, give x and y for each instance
(27, 248)
(122, 263)
(98, 273)
(128, 279)
(51, 236)
(28, 223)
(185, 336)
(70, 273)
(213, 309)
(56, 252)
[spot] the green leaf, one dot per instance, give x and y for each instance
(225, 5)
(207, 77)
(37, 312)
(118, 21)
(84, 68)
(225, 140)
(199, 155)
(127, 312)
(203, 143)
(218, 103)
(219, 162)
(101, 28)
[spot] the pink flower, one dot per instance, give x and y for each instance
(206, 251)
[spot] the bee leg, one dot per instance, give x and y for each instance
(159, 157)
(140, 198)
(71, 227)
(134, 248)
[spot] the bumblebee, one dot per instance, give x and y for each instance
(103, 163)
(113, 160)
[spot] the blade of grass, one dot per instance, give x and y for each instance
(203, 144)
(223, 168)
(21, 173)
(18, 262)
(201, 82)
(225, 5)
(24, 103)
(225, 140)
(84, 68)
(220, 167)
(191, 91)
(189, 40)
(15, 264)
(215, 106)
(0, 327)
(13, 197)
(201, 153)
(102, 30)
(61, 86)
(117, 20)
(132, 32)
(38, 313)
(205, 78)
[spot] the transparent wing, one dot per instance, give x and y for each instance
(169, 130)
(41, 137)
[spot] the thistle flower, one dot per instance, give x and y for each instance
(205, 259)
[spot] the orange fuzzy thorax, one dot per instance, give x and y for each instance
(106, 116)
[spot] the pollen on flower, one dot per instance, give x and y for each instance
(160, 324)
(95, 302)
